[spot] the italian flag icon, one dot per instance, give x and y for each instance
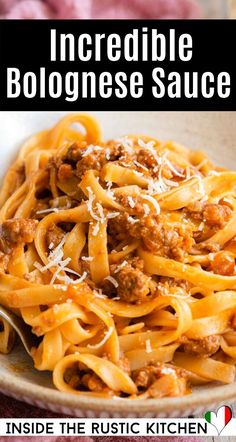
(219, 419)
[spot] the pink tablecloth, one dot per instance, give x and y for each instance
(99, 9)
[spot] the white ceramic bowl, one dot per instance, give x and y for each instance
(214, 132)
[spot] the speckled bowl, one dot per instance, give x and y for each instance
(213, 132)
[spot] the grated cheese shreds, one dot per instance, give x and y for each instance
(107, 154)
(81, 279)
(112, 215)
(201, 186)
(140, 165)
(146, 209)
(95, 229)
(172, 167)
(87, 258)
(51, 209)
(187, 173)
(127, 143)
(98, 293)
(168, 370)
(110, 192)
(170, 183)
(118, 268)
(148, 346)
(131, 202)
(90, 149)
(100, 211)
(153, 202)
(163, 186)
(132, 220)
(154, 187)
(150, 146)
(138, 173)
(38, 266)
(107, 335)
(89, 204)
(112, 280)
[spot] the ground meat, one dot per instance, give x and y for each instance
(144, 377)
(159, 380)
(54, 236)
(93, 382)
(137, 210)
(124, 364)
(166, 283)
(19, 230)
(121, 228)
(74, 153)
(95, 160)
(4, 260)
(223, 263)
(157, 237)
(195, 210)
(117, 152)
(167, 241)
(211, 247)
(216, 214)
(146, 158)
(133, 284)
(65, 172)
(170, 385)
(202, 347)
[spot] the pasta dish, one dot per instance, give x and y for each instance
(120, 255)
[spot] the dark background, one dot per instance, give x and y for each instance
(26, 45)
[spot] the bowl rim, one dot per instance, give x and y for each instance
(16, 386)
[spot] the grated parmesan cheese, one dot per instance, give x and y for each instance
(172, 167)
(98, 293)
(127, 143)
(132, 220)
(170, 183)
(140, 165)
(81, 279)
(107, 154)
(95, 229)
(51, 209)
(148, 346)
(131, 201)
(118, 268)
(201, 186)
(107, 335)
(87, 258)
(110, 192)
(112, 280)
(153, 202)
(90, 149)
(112, 215)
(146, 209)
(150, 146)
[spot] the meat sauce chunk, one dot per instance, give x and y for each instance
(19, 230)
(201, 347)
(160, 381)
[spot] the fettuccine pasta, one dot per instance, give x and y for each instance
(120, 255)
